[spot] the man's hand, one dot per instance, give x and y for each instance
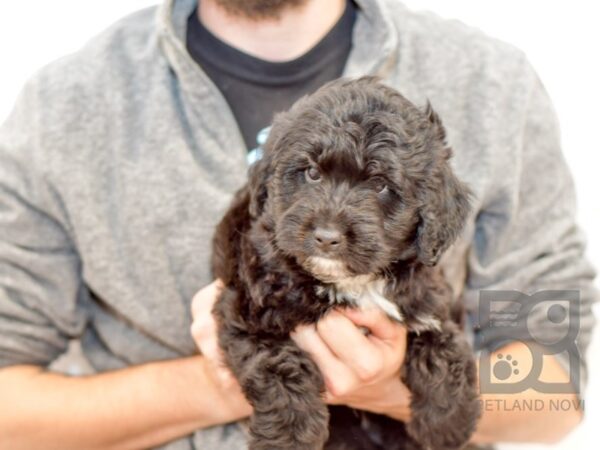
(360, 370)
(204, 332)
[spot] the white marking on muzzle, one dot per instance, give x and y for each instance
(326, 269)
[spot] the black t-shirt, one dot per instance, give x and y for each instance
(257, 89)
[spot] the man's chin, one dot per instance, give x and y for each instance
(258, 9)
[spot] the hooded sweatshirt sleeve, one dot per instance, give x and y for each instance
(527, 240)
(40, 281)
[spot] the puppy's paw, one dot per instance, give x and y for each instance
(285, 388)
(289, 430)
(260, 445)
(435, 429)
(441, 375)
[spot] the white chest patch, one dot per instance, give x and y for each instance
(365, 292)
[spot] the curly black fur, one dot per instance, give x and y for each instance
(354, 187)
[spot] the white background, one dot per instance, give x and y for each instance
(562, 40)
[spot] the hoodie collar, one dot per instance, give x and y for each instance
(375, 41)
(375, 38)
(374, 51)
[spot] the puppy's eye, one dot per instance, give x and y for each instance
(380, 186)
(313, 175)
(383, 189)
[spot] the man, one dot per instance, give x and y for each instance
(118, 161)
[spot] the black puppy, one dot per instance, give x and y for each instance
(352, 204)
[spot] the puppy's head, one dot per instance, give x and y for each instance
(355, 177)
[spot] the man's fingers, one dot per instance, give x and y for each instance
(377, 322)
(205, 298)
(308, 339)
(204, 332)
(203, 328)
(350, 346)
(339, 379)
(387, 335)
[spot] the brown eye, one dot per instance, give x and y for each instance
(313, 175)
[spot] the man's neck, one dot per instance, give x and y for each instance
(289, 36)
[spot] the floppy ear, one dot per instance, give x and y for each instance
(444, 199)
(258, 178)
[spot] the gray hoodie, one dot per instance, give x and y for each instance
(118, 161)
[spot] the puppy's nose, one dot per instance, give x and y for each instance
(327, 238)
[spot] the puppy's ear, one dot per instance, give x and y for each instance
(444, 200)
(258, 177)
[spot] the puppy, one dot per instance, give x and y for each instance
(352, 205)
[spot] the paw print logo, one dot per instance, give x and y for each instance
(505, 366)
(546, 322)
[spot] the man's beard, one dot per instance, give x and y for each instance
(258, 9)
